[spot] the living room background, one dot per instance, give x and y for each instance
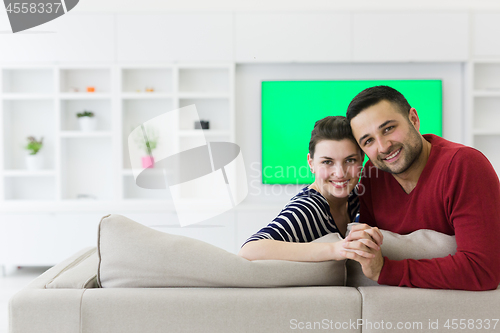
(243, 48)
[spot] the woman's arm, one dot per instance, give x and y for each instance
(267, 249)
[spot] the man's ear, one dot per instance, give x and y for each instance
(413, 116)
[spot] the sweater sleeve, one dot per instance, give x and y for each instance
(302, 220)
(471, 195)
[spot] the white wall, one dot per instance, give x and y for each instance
(248, 104)
(255, 5)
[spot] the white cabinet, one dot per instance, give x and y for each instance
(174, 37)
(92, 170)
(410, 36)
(150, 91)
(84, 37)
(485, 115)
(289, 36)
(44, 239)
(71, 37)
(28, 108)
(44, 102)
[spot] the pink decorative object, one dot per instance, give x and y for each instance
(148, 162)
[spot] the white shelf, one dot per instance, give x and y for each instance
(146, 95)
(79, 78)
(196, 132)
(127, 172)
(487, 93)
(486, 132)
(21, 96)
(203, 95)
(130, 172)
(78, 134)
(28, 80)
(99, 165)
(28, 173)
(485, 108)
(486, 61)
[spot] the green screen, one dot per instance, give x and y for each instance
(290, 109)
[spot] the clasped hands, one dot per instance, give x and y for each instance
(363, 245)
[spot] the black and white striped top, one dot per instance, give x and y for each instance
(305, 218)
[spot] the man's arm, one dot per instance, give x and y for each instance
(472, 203)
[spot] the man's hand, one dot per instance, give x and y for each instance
(362, 230)
(363, 245)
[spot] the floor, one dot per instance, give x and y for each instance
(14, 280)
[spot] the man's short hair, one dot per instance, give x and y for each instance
(374, 95)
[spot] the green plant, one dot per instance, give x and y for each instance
(149, 144)
(85, 113)
(33, 145)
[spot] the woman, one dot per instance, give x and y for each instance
(325, 206)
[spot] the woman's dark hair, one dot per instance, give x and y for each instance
(374, 95)
(331, 128)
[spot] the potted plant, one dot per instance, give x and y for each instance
(34, 159)
(86, 121)
(147, 146)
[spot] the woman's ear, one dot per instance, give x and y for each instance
(310, 162)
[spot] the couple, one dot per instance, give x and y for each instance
(423, 182)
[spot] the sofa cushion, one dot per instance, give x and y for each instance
(132, 255)
(420, 244)
(218, 310)
(429, 310)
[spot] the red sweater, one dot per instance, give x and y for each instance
(458, 193)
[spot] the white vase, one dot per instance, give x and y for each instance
(34, 162)
(87, 124)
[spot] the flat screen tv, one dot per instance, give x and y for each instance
(290, 109)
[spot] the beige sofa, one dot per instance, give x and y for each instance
(67, 298)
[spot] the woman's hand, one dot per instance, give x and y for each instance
(364, 231)
(363, 245)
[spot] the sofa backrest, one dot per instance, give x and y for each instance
(420, 244)
(132, 255)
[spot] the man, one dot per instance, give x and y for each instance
(424, 182)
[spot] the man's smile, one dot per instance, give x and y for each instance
(393, 156)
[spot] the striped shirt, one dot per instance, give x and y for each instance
(305, 218)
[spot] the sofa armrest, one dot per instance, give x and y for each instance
(76, 272)
(52, 302)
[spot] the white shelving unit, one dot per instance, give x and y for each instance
(87, 175)
(150, 91)
(485, 106)
(28, 108)
(145, 92)
(95, 166)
